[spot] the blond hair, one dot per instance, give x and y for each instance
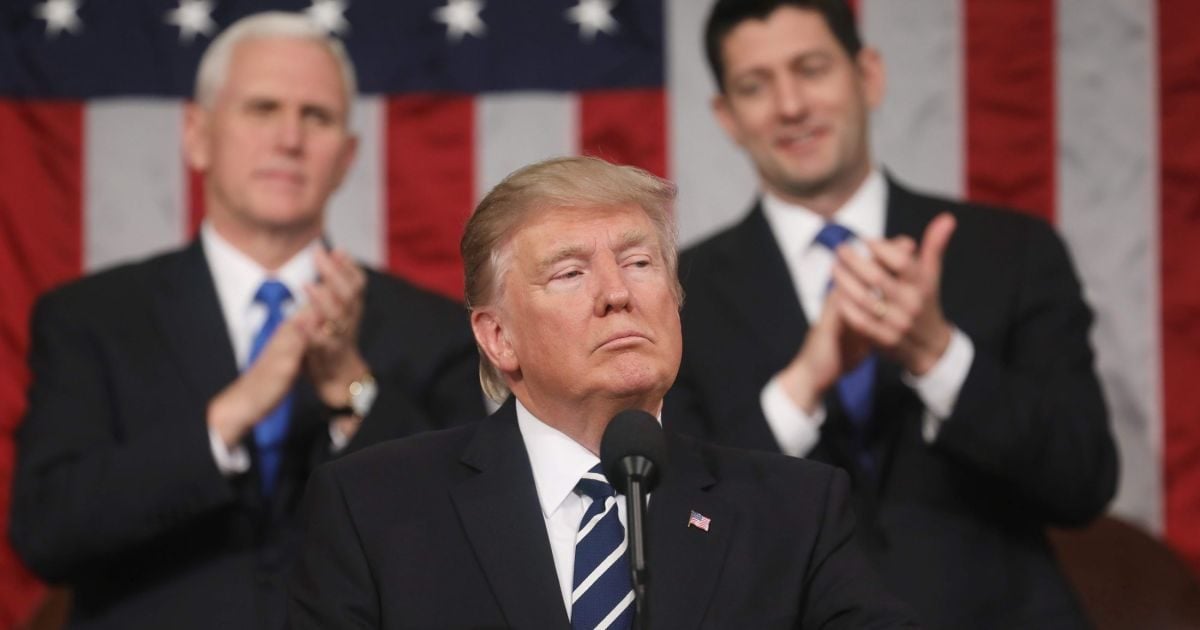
(565, 182)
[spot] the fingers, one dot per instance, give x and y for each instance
(337, 297)
(339, 273)
(933, 244)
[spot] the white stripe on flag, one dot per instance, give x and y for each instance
(716, 182)
(516, 129)
(133, 180)
(1108, 212)
(355, 215)
(918, 131)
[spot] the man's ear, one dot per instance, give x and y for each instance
(873, 75)
(493, 340)
(195, 137)
(721, 109)
(346, 159)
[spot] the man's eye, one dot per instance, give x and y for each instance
(319, 116)
(814, 69)
(569, 274)
(748, 87)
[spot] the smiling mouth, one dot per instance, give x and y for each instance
(799, 138)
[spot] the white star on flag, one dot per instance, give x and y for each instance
(593, 16)
(461, 17)
(329, 14)
(192, 17)
(60, 15)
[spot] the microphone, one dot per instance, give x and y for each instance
(632, 453)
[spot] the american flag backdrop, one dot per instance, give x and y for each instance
(1086, 112)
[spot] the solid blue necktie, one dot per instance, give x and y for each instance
(602, 593)
(855, 388)
(270, 433)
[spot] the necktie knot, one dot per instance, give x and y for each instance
(272, 294)
(595, 485)
(832, 235)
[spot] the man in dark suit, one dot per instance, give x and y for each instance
(937, 351)
(178, 404)
(571, 282)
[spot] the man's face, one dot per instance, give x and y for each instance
(275, 143)
(586, 309)
(798, 103)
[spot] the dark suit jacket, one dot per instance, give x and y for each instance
(116, 490)
(444, 530)
(956, 527)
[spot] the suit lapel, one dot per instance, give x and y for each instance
(189, 315)
(754, 280)
(684, 560)
(499, 509)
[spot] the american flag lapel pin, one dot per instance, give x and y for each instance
(699, 521)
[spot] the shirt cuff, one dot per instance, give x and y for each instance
(230, 461)
(796, 432)
(938, 388)
(337, 440)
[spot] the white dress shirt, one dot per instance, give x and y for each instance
(237, 278)
(558, 463)
(810, 266)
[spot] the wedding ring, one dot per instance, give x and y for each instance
(880, 308)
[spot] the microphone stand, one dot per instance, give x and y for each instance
(635, 509)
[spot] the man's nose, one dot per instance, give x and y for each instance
(290, 132)
(790, 99)
(612, 292)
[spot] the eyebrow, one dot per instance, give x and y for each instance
(566, 252)
(627, 240)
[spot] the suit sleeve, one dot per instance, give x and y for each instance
(331, 584)
(843, 590)
(1035, 419)
(84, 491)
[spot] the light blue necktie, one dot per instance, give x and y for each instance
(269, 435)
(602, 593)
(855, 388)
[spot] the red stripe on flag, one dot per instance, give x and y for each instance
(1010, 103)
(430, 187)
(626, 127)
(41, 245)
(1179, 144)
(194, 181)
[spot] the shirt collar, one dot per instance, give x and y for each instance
(237, 276)
(558, 462)
(795, 227)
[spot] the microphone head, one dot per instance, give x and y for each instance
(633, 446)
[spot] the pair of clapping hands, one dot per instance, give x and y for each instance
(320, 338)
(885, 299)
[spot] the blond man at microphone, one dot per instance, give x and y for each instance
(571, 285)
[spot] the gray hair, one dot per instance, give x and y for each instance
(565, 182)
(214, 65)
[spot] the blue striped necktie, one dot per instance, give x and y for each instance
(855, 388)
(602, 594)
(270, 433)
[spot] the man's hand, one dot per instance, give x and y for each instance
(830, 349)
(333, 361)
(246, 401)
(893, 298)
